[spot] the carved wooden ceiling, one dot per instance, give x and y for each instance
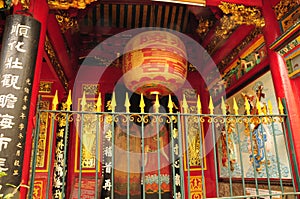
(219, 29)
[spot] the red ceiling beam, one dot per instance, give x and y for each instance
(232, 42)
(58, 43)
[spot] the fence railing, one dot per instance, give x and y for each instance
(188, 154)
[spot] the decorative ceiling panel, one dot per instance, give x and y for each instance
(130, 16)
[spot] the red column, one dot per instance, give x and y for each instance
(39, 10)
(284, 86)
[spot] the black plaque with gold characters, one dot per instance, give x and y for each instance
(17, 64)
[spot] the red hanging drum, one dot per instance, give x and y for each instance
(154, 63)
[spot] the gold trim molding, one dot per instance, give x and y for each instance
(235, 52)
(55, 62)
(66, 4)
(283, 7)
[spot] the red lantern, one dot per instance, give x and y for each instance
(154, 63)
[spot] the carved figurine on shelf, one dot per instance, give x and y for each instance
(247, 65)
(228, 146)
(257, 57)
(240, 71)
(258, 139)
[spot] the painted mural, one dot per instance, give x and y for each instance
(254, 148)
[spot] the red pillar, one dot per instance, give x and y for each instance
(284, 86)
(39, 10)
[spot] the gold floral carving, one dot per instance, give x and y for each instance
(89, 136)
(66, 4)
(223, 31)
(25, 4)
(45, 87)
(204, 26)
(285, 6)
(241, 14)
(91, 89)
(66, 22)
(55, 63)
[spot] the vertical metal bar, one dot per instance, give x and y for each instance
(143, 156)
(277, 156)
(201, 154)
(80, 154)
(252, 151)
(97, 158)
(158, 156)
(266, 158)
(50, 153)
(173, 156)
(36, 139)
(241, 157)
(215, 153)
(182, 188)
(128, 156)
(228, 155)
(292, 153)
(65, 155)
(187, 155)
(292, 146)
(113, 154)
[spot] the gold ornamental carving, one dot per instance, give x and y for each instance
(66, 4)
(223, 31)
(285, 6)
(42, 141)
(196, 187)
(66, 22)
(45, 87)
(224, 63)
(91, 89)
(241, 14)
(25, 4)
(204, 26)
(55, 63)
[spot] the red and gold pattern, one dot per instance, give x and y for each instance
(196, 187)
(38, 191)
(154, 62)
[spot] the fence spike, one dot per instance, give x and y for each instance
(247, 106)
(280, 106)
(258, 107)
(156, 104)
(223, 106)
(55, 101)
(185, 105)
(113, 102)
(211, 106)
(199, 107)
(170, 104)
(142, 104)
(127, 103)
(270, 107)
(99, 103)
(69, 101)
(235, 107)
(83, 101)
